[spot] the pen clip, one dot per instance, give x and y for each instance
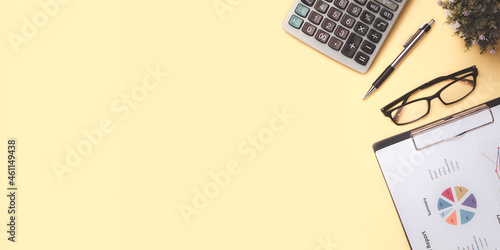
(413, 36)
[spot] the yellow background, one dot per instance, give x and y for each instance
(317, 180)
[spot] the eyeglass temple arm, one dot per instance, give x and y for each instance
(451, 76)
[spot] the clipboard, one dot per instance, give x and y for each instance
(444, 180)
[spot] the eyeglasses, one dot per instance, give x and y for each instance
(457, 86)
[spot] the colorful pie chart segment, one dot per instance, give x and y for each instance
(442, 204)
(460, 191)
(470, 202)
(466, 216)
(452, 219)
(448, 194)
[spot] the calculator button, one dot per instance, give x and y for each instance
(368, 47)
(315, 17)
(341, 32)
(362, 2)
(342, 4)
(302, 10)
(308, 2)
(361, 58)
(386, 14)
(389, 4)
(322, 36)
(373, 6)
(321, 6)
(335, 43)
(295, 22)
(348, 21)
(334, 14)
(309, 29)
(351, 45)
(380, 24)
(361, 29)
(329, 1)
(367, 17)
(354, 10)
(374, 36)
(328, 25)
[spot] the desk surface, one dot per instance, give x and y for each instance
(171, 125)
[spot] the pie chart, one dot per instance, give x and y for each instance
(457, 206)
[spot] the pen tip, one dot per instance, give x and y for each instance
(370, 91)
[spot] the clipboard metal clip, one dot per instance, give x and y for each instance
(452, 127)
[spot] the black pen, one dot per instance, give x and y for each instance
(408, 46)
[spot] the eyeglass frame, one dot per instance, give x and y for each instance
(387, 112)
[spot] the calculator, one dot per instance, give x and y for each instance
(349, 31)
